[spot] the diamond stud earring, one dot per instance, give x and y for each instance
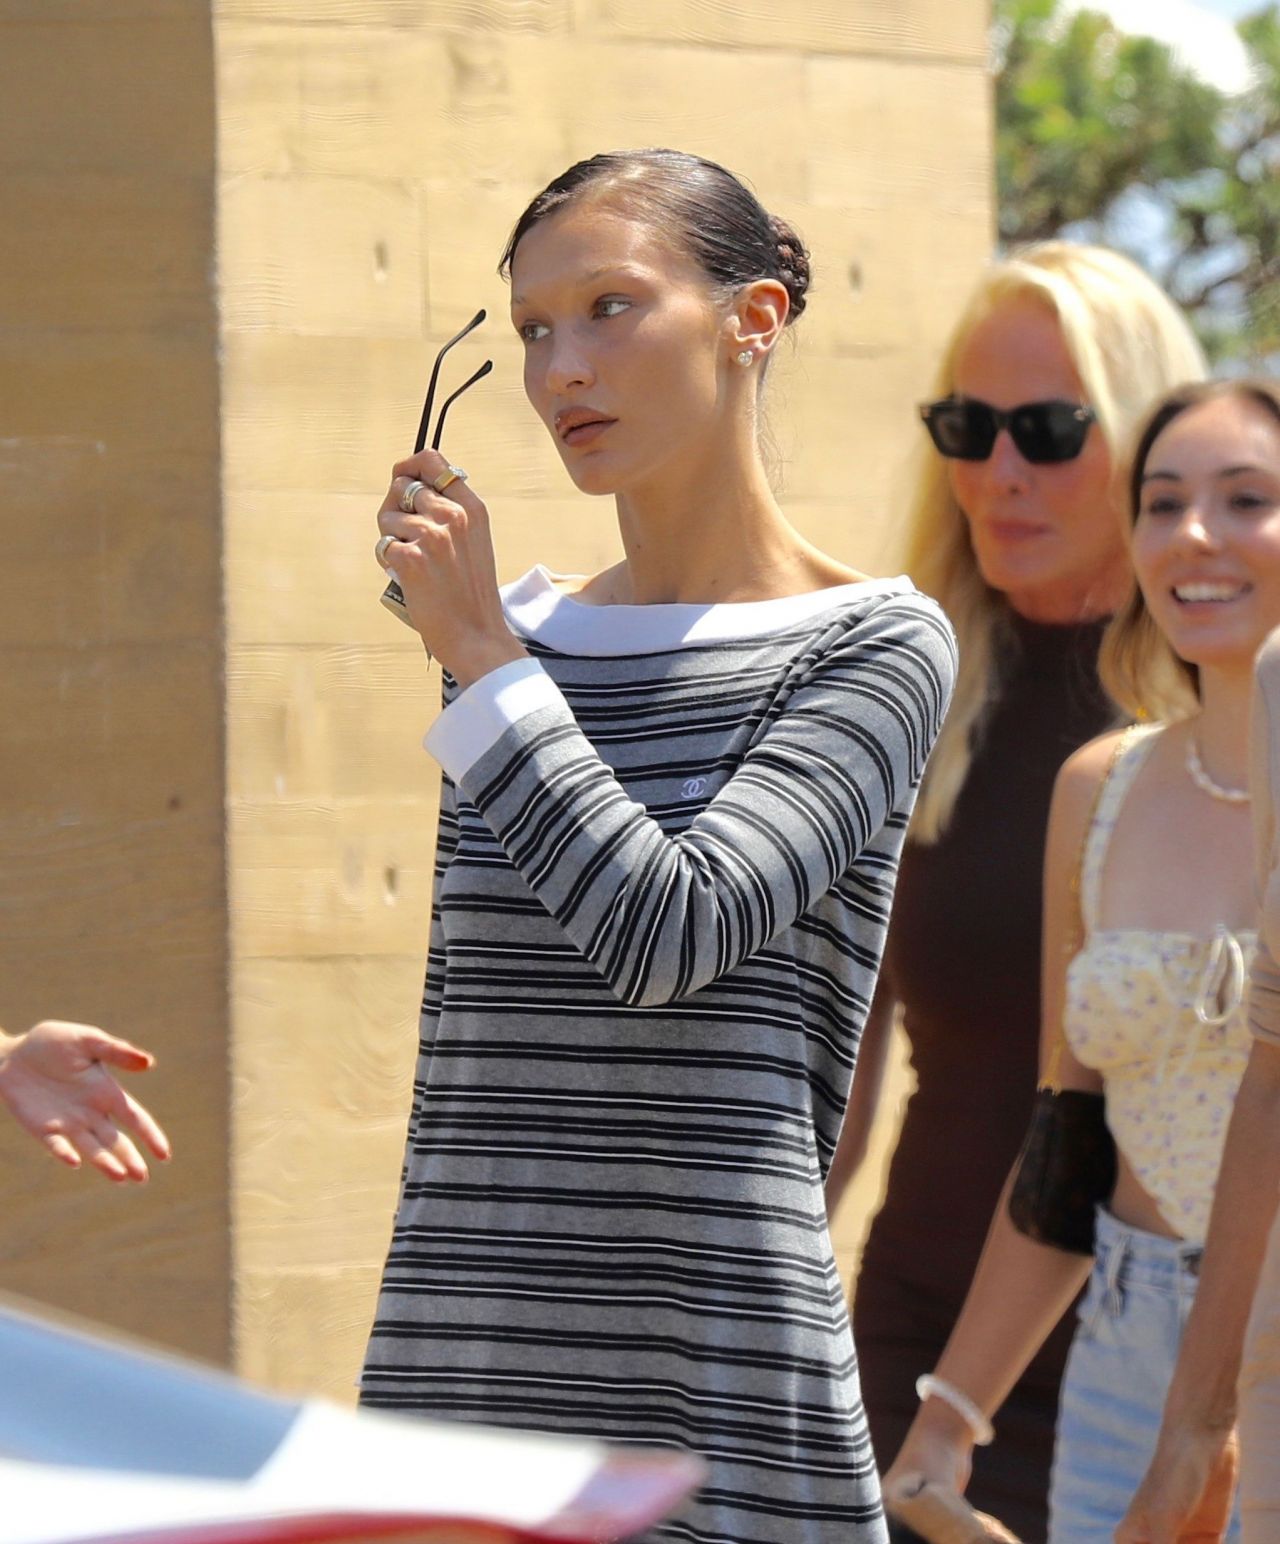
(746, 357)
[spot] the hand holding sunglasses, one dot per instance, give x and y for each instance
(436, 542)
(1045, 433)
(393, 596)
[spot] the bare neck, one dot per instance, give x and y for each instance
(1075, 600)
(710, 534)
(1221, 728)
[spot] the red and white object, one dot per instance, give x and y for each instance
(105, 1444)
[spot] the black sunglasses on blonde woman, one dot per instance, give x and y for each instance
(965, 429)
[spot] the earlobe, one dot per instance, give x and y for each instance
(758, 318)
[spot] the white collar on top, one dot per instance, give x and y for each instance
(538, 609)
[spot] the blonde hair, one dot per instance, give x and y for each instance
(1128, 343)
(1137, 663)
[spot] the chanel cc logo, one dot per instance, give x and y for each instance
(693, 787)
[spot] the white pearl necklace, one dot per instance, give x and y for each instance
(1202, 780)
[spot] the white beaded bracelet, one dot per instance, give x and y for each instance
(983, 1432)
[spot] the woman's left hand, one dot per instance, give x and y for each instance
(1186, 1493)
(442, 557)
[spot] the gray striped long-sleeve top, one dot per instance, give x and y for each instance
(667, 852)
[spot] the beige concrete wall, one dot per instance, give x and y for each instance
(372, 157)
(112, 904)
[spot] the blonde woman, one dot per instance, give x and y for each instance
(1016, 530)
(1145, 962)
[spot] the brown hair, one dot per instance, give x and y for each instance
(712, 214)
(1137, 664)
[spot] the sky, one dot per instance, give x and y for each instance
(1201, 32)
(1230, 8)
(1202, 35)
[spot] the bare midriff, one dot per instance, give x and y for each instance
(1132, 1204)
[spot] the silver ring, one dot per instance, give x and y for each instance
(409, 493)
(380, 549)
(451, 474)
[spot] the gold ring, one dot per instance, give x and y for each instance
(380, 549)
(451, 474)
(408, 494)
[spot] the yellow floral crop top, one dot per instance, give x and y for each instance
(1161, 1015)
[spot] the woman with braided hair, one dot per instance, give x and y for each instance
(673, 800)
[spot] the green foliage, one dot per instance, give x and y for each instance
(1092, 125)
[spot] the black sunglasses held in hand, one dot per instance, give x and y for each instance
(964, 429)
(393, 595)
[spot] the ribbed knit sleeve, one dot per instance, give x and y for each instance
(1264, 782)
(661, 915)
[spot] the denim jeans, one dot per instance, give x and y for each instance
(1130, 1327)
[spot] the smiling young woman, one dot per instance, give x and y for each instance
(1231, 1332)
(673, 801)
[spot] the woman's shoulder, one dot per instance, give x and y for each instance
(1089, 763)
(895, 606)
(1082, 774)
(872, 618)
(1076, 791)
(887, 636)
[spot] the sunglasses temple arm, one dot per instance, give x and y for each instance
(449, 401)
(425, 420)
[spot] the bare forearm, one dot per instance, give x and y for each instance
(1019, 1292)
(1203, 1389)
